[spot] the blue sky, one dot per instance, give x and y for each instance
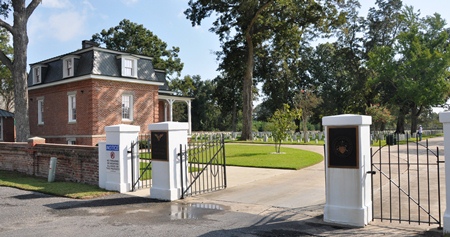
(58, 27)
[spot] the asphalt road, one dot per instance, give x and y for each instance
(285, 204)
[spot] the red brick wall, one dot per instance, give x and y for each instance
(99, 104)
(74, 163)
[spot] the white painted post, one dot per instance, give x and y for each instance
(114, 160)
(444, 118)
(348, 189)
(166, 174)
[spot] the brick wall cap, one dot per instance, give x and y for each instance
(35, 140)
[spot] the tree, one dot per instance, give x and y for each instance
(282, 121)
(229, 84)
(6, 80)
(181, 87)
(414, 71)
(306, 101)
(205, 112)
(380, 116)
(18, 64)
(251, 24)
(134, 38)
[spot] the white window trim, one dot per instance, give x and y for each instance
(40, 108)
(37, 75)
(123, 59)
(131, 104)
(71, 141)
(71, 59)
(71, 95)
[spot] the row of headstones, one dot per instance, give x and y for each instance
(298, 137)
(401, 137)
(261, 136)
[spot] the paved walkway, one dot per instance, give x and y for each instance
(297, 196)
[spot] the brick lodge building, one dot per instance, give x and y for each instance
(73, 97)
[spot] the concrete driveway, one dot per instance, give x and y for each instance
(258, 202)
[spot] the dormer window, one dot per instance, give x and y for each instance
(69, 65)
(129, 66)
(37, 74)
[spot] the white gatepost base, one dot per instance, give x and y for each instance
(165, 194)
(348, 189)
(166, 174)
(444, 118)
(346, 215)
(114, 168)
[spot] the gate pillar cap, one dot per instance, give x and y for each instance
(168, 126)
(347, 119)
(123, 128)
(444, 117)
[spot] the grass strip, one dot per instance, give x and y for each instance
(63, 189)
(264, 157)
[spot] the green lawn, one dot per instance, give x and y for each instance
(236, 155)
(64, 189)
(263, 157)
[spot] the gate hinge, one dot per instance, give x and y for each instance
(371, 172)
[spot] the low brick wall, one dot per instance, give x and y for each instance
(74, 163)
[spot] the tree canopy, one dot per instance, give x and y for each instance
(17, 64)
(134, 38)
(413, 72)
(255, 25)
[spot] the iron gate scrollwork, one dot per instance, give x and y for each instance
(203, 166)
(406, 183)
(140, 155)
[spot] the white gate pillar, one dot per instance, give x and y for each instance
(114, 168)
(347, 161)
(166, 139)
(445, 119)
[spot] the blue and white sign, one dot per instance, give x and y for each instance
(112, 163)
(110, 147)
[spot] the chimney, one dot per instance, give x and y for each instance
(87, 44)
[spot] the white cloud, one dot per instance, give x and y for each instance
(56, 4)
(60, 20)
(66, 25)
(130, 2)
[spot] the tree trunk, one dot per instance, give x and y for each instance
(20, 43)
(401, 120)
(415, 113)
(247, 98)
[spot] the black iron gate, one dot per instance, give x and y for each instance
(203, 166)
(406, 183)
(141, 158)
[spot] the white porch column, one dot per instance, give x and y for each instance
(165, 111)
(166, 171)
(189, 117)
(114, 167)
(444, 118)
(347, 161)
(171, 108)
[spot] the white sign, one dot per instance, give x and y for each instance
(112, 162)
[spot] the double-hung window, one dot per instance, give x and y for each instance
(129, 66)
(127, 107)
(69, 65)
(37, 75)
(40, 111)
(72, 105)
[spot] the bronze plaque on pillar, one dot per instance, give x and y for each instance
(160, 146)
(343, 147)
